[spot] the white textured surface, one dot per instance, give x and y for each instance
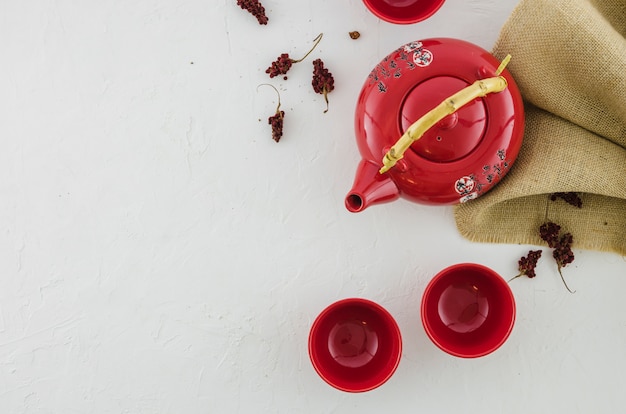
(160, 253)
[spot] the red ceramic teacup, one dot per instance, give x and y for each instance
(355, 345)
(468, 310)
(403, 11)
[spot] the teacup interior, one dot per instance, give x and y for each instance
(353, 343)
(463, 307)
(404, 11)
(355, 347)
(468, 311)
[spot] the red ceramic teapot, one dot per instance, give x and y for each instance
(438, 121)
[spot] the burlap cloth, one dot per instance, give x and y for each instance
(569, 60)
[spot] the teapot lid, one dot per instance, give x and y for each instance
(455, 136)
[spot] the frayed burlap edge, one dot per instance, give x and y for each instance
(556, 155)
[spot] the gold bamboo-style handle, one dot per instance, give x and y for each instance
(452, 104)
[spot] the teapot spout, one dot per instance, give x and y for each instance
(370, 187)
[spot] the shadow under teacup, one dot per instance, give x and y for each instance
(403, 11)
(468, 310)
(355, 345)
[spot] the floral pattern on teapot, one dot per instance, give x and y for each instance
(470, 187)
(410, 56)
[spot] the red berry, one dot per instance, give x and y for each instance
(255, 8)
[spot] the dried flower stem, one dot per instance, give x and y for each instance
(277, 93)
(565, 283)
(316, 40)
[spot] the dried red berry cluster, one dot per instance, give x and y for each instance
(280, 66)
(255, 8)
(563, 253)
(323, 81)
(527, 264)
(561, 243)
(283, 63)
(569, 198)
(549, 232)
(276, 121)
